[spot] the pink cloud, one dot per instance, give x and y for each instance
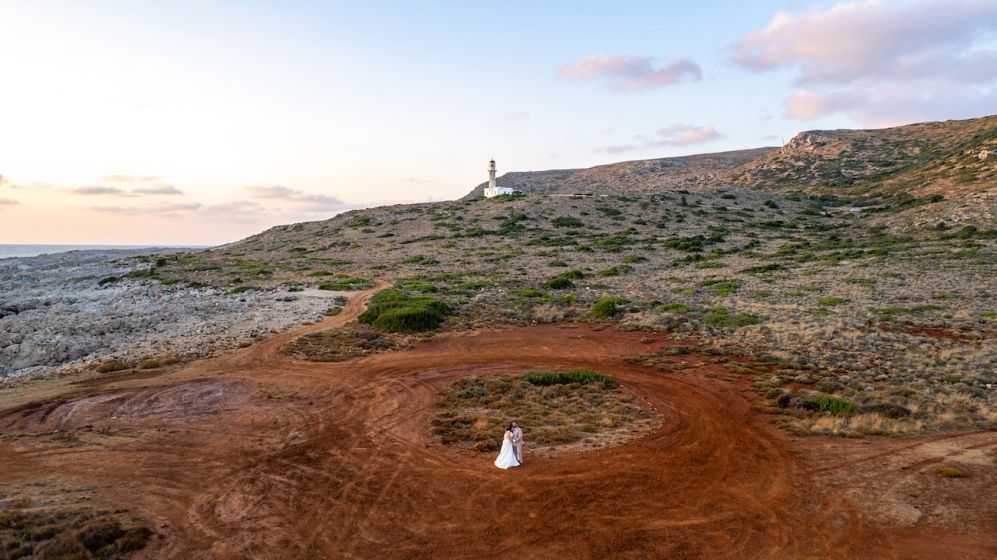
(674, 135)
(882, 62)
(629, 73)
(855, 40)
(686, 135)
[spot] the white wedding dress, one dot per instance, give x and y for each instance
(507, 457)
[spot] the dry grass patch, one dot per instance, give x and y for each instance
(579, 409)
(336, 345)
(27, 532)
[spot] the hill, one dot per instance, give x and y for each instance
(629, 177)
(911, 175)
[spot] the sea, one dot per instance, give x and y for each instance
(14, 250)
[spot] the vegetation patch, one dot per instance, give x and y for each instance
(589, 412)
(66, 533)
(111, 365)
(336, 345)
(581, 375)
(558, 283)
(346, 284)
(949, 472)
(606, 308)
(720, 317)
(395, 311)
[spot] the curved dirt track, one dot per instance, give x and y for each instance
(256, 455)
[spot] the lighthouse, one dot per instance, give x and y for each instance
(491, 177)
(492, 189)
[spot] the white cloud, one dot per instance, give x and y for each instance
(165, 208)
(128, 178)
(97, 190)
(628, 73)
(158, 190)
(299, 199)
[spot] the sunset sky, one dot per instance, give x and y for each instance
(201, 122)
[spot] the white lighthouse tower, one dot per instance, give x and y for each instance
(492, 189)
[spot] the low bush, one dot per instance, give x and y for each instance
(346, 284)
(887, 410)
(721, 318)
(581, 375)
(830, 300)
(949, 472)
(111, 365)
(673, 308)
(763, 268)
(148, 363)
(566, 222)
(394, 311)
(558, 283)
(834, 405)
(605, 308)
(529, 293)
(573, 274)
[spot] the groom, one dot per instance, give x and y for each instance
(517, 441)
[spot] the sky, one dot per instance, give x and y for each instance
(199, 122)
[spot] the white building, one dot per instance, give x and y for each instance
(492, 189)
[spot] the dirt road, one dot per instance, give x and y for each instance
(256, 455)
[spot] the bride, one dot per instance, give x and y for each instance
(507, 457)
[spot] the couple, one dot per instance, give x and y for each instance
(512, 448)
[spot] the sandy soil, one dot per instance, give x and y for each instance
(257, 455)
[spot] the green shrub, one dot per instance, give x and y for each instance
(830, 300)
(834, 405)
(764, 268)
(530, 293)
(673, 308)
(394, 311)
(108, 280)
(892, 310)
(567, 222)
(635, 259)
(573, 274)
(149, 363)
(346, 284)
(421, 287)
(611, 271)
(605, 308)
(581, 375)
(558, 283)
(721, 318)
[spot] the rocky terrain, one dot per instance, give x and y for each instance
(842, 292)
(71, 311)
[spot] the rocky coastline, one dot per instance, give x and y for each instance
(71, 311)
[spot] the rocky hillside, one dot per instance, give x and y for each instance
(927, 174)
(844, 306)
(629, 177)
(918, 159)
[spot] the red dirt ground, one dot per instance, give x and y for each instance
(256, 455)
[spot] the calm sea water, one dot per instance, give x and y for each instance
(17, 250)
